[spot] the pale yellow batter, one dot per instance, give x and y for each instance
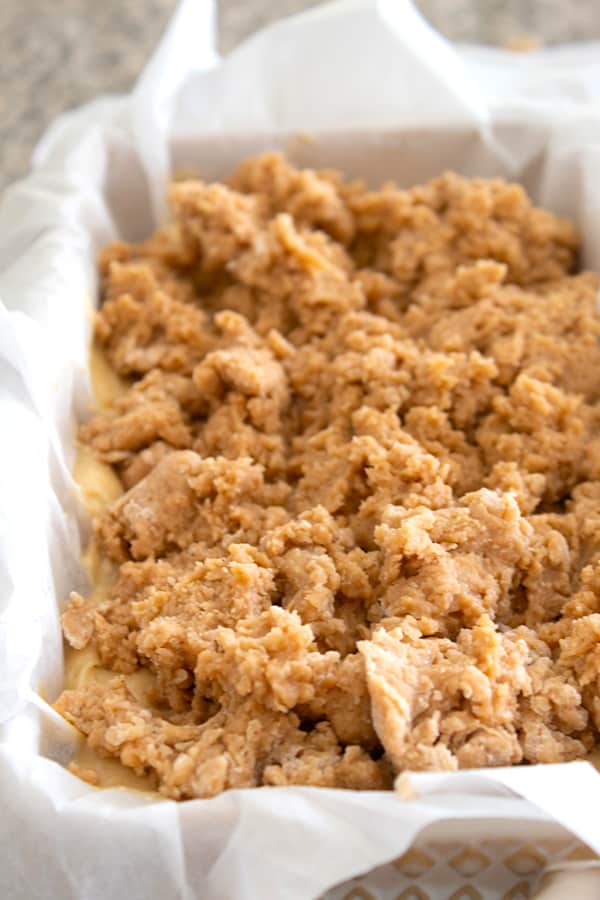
(100, 486)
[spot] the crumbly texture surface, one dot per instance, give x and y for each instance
(360, 523)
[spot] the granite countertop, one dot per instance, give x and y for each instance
(56, 56)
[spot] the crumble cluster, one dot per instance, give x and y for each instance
(360, 522)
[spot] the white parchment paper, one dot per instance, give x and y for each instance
(382, 96)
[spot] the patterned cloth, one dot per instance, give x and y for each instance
(490, 870)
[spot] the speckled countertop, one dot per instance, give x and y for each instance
(55, 55)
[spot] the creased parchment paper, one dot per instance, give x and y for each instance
(361, 85)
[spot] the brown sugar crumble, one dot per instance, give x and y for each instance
(359, 530)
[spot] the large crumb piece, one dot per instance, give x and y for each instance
(239, 746)
(356, 433)
(485, 700)
(453, 564)
(439, 704)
